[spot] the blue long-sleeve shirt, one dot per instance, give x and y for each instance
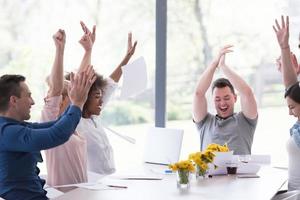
(20, 145)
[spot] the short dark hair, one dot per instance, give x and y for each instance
(9, 86)
(99, 84)
(293, 92)
(221, 83)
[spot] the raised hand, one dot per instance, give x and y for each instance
(59, 39)
(282, 32)
(220, 59)
(130, 49)
(80, 85)
(117, 73)
(86, 31)
(86, 42)
(294, 63)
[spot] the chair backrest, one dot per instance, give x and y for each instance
(162, 145)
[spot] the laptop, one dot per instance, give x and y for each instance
(162, 145)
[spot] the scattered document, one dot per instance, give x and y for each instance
(134, 78)
(53, 193)
(223, 159)
(92, 186)
(220, 161)
(135, 176)
(248, 168)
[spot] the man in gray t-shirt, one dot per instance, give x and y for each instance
(235, 129)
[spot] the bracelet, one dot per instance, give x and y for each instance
(285, 47)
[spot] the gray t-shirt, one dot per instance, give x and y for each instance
(237, 131)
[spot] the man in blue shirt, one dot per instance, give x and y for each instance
(21, 142)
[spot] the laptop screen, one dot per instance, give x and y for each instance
(162, 145)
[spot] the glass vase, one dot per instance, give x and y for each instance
(183, 179)
(201, 173)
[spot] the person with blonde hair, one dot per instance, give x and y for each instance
(73, 153)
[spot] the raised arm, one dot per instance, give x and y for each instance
(56, 79)
(200, 102)
(22, 138)
(87, 41)
(117, 73)
(282, 33)
(248, 102)
(294, 61)
(80, 85)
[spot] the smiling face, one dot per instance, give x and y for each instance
(294, 107)
(93, 105)
(23, 103)
(224, 101)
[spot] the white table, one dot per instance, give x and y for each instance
(218, 187)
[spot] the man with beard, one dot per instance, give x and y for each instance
(235, 129)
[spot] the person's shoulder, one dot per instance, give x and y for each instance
(110, 81)
(84, 123)
(9, 126)
(208, 118)
(241, 116)
(5, 120)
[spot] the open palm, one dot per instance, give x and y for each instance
(282, 32)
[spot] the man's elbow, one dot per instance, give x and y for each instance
(55, 91)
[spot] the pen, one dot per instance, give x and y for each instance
(117, 186)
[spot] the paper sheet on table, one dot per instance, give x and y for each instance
(94, 177)
(248, 168)
(97, 186)
(242, 168)
(53, 193)
(218, 171)
(280, 165)
(220, 161)
(90, 186)
(135, 176)
(222, 158)
(134, 78)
